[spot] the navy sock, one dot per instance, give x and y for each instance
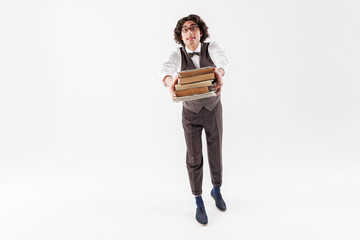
(199, 201)
(216, 190)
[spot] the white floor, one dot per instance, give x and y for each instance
(88, 197)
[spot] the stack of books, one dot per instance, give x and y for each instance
(195, 84)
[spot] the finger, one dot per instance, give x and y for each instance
(218, 91)
(173, 86)
(217, 85)
(219, 80)
(172, 91)
(175, 82)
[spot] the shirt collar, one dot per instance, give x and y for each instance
(196, 50)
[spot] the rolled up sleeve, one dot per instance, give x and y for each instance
(218, 55)
(170, 67)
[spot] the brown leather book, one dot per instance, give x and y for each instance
(191, 91)
(194, 97)
(198, 71)
(197, 78)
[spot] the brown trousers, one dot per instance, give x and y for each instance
(193, 124)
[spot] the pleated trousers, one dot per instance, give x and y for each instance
(193, 124)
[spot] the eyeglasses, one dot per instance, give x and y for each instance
(192, 28)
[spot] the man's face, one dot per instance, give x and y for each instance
(190, 33)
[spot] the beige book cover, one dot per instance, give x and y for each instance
(194, 97)
(206, 83)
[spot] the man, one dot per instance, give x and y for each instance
(191, 32)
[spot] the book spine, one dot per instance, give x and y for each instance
(194, 97)
(197, 78)
(194, 72)
(192, 91)
(206, 83)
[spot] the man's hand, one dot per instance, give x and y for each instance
(219, 81)
(170, 82)
(172, 87)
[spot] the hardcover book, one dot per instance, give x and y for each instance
(197, 71)
(207, 83)
(197, 78)
(194, 97)
(191, 91)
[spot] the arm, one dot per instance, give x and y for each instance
(219, 80)
(168, 72)
(219, 57)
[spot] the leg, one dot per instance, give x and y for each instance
(214, 129)
(194, 158)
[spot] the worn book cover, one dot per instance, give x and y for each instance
(191, 91)
(197, 78)
(206, 83)
(194, 97)
(197, 71)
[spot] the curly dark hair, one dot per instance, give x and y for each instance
(202, 25)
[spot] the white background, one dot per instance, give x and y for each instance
(91, 146)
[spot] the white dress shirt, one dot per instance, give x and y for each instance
(173, 65)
